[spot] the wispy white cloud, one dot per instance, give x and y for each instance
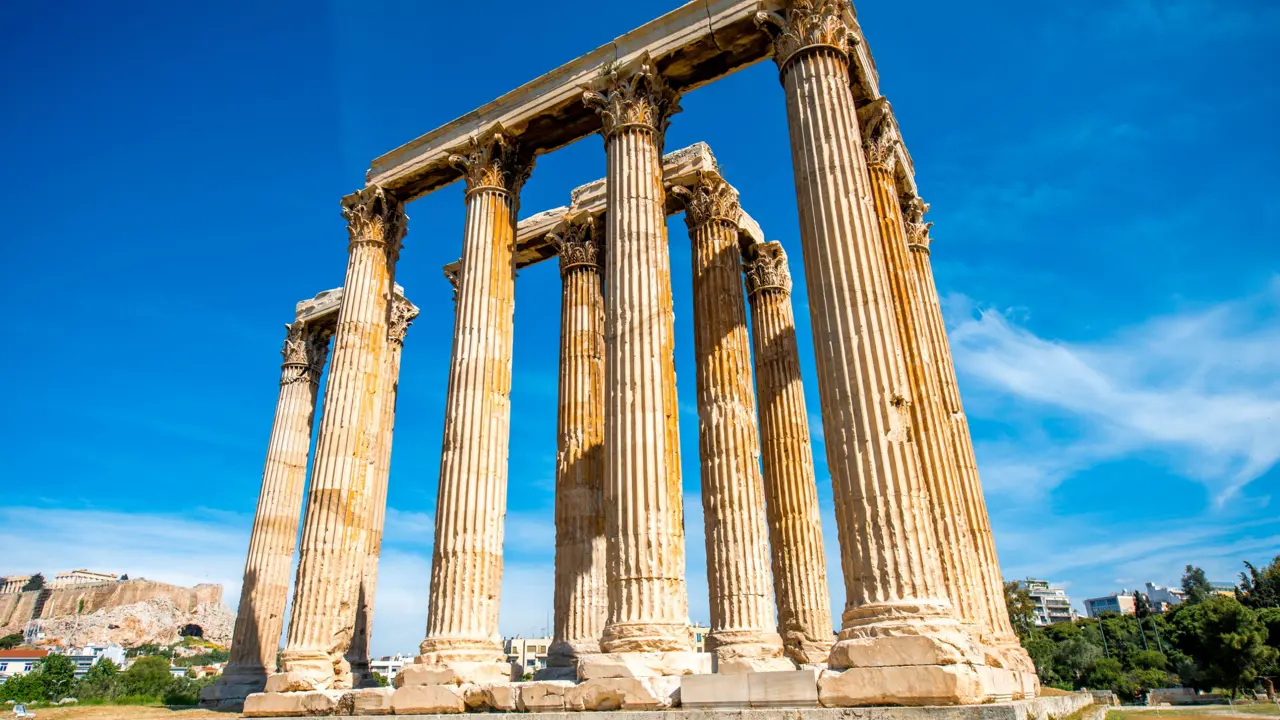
(1201, 388)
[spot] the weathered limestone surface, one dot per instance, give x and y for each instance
(974, 509)
(402, 314)
(275, 526)
(332, 556)
(644, 514)
(581, 599)
(931, 433)
(743, 635)
(896, 612)
(466, 568)
(791, 491)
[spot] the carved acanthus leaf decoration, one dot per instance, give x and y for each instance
(765, 268)
(580, 245)
(306, 345)
(639, 98)
(806, 24)
(295, 344)
(879, 133)
(494, 160)
(710, 198)
(375, 215)
(913, 211)
(402, 314)
(453, 273)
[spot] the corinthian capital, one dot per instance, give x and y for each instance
(495, 161)
(374, 215)
(765, 268)
(306, 347)
(807, 24)
(879, 134)
(710, 198)
(402, 314)
(913, 210)
(637, 98)
(453, 273)
(580, 245)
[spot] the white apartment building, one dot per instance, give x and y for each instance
(529, 653)
(89, 655)
(389, 665)
(1053, 605)
(1122, 602)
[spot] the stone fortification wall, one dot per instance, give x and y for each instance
(16, 609)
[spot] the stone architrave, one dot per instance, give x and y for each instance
(264, 594)
(974, 508)
(462, 640)
(900, 642)
(791, 491)
(931, 432)
(332, 557)
(644, 512)
(581, 599)
(402, 314)
(743, 633)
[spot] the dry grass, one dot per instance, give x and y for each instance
(122, 712)
(1241, 711)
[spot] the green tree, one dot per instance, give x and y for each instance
(381, 679)
(1022, 609)
(27, 687)
(146, 676)
(35, 583)
(58, 676)
(10, 641)
(1226, 643)
(100, 682)
(1105, 674)
(1074, 658)
(1260, 588)
(1195, 586)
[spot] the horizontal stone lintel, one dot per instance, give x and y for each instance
(679, 168)
(324, 306)
(695, 44)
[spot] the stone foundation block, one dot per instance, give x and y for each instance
(895, 650)
(651, 693)
(368, 701)
(291, 681)
(291, 704)
(504, 697)
(473, 696)
(456, 673)
(643, 665)
(427, 700)
(791, 689)
(903, 685)
(745, 665)
(545, 696)
(569, 673)
(714, 691)
(999, 684)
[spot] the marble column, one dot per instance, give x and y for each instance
(974, 516)
(264, 594)
(402, 314)
(581, 600)
(931, 430)
(336, 526)
(743, 633)
(791, 491)
(644, 511)
(462, 641)
(900, 642)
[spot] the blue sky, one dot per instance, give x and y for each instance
(1102, 176)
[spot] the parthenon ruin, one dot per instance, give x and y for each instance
(924, 620)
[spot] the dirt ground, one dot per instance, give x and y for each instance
(1209, 712)
(121, 712)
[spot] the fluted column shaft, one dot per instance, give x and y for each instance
(264, 594)
(741, 599)
(402, 314)
(893, 579)
(931, 433)
(974, 509)
(644, 511)
(791, 492)
(581, 600)
(335, 531)
(466, 567)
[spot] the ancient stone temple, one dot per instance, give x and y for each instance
(923, 621)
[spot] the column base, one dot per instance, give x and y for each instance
(643, 664)
(647, 637)
(899, 634)
(305, 670)
(913, 685)
(556, 672)
(806, 651)
(456, 672)
(746, 651)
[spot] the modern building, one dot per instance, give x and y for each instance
(13, 584)
(1163, 598)
(1053, 605)
(17, 662)
(389, 665)
(82, 577)
(700, 632)
(89, 655)
(1223, 588)
(530, 653)
(1122, 602)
